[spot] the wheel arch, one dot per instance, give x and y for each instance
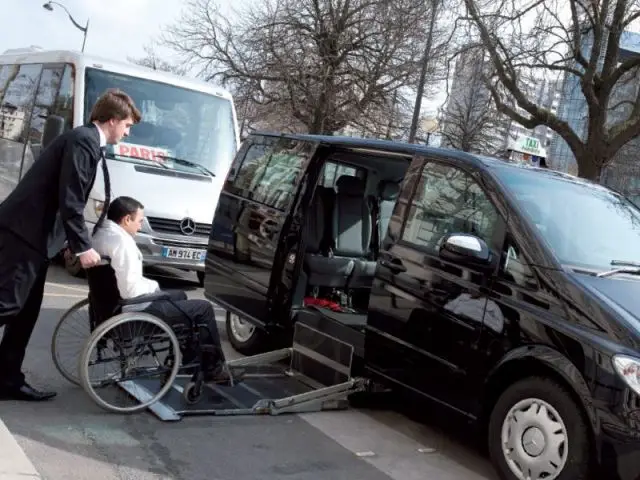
(543, 361)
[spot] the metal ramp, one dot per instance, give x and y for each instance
(314, 374)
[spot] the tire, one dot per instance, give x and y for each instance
(200, 278)
(566, 417)
(241, 340)
(68, 373)
(100, 332)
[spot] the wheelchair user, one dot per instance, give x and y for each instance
(115, 239)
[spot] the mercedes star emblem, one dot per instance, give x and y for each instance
(188, 226)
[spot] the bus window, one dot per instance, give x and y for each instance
(19, 84)
(176, 122)
(54, 97)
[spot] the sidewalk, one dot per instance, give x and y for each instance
(14, 463)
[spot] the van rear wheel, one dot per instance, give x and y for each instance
(245, 337)
(537, 432)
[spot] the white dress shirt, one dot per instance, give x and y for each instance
(103, 143)
(111, 240)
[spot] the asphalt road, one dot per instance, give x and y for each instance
(71, 438)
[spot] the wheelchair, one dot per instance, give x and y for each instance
(102, 333)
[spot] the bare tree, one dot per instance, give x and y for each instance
(530, 39)
(153, 60)
(470, 121)
(321, 63)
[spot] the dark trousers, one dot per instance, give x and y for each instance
(177, 313)
(18, 330)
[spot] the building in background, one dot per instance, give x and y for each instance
(623, 173)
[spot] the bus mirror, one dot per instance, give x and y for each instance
(53, 126)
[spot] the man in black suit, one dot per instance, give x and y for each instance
(53, 193)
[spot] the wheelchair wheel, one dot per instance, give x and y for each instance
(126, 342)
(69, 339)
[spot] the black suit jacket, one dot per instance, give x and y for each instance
(57, 186)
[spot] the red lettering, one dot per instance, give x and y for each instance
(145, 153)
(134, 152)
(123, 150)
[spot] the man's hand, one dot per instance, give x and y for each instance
(89, 258)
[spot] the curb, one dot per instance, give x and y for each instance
(14, 463)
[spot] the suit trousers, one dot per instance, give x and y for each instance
(18, 330)
(179, 312)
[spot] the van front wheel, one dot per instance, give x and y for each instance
(245, 337)
(537, 431)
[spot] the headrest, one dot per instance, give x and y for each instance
(348, 185)
(388, 190)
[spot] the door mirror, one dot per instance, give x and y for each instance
(53, 126)
(466, 249)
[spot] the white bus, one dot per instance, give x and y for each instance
(174, 161)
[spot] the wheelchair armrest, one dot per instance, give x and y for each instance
(149, 297)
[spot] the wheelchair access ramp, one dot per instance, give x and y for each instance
(314, 374)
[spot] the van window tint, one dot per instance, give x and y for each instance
(270, 173)
(447, 200)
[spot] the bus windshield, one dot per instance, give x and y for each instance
(181, 129)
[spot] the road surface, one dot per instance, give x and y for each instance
(71, 438)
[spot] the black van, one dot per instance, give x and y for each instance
(509, 294)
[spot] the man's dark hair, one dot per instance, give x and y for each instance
(121, 207)
(114, 104)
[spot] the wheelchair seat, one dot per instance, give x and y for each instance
(104, 297)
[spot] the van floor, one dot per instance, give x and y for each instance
(345, 318)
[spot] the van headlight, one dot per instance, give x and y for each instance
(629, 369)
(98, 206)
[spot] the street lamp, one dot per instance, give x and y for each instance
(49, 6)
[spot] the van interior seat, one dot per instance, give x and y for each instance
(388, 192)
(323, 270)
(352, 229)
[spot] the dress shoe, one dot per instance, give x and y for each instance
(24, 392)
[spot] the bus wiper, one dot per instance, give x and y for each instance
(632, 268)
(113, 156)
(187, 163)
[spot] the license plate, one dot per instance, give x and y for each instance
(184, 253)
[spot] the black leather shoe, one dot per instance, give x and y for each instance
(24, 392)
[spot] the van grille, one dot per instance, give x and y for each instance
(173, 226)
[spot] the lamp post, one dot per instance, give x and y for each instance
(49, 6)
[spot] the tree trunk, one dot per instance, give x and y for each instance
(588, 168)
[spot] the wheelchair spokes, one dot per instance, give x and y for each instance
(69, 338)
(135, 351)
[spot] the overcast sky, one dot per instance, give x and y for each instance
(117, 28)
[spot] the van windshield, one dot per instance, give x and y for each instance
(176, 122)
(586, 225)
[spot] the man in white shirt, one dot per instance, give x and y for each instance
(115, 239)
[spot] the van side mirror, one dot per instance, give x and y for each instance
(466, 249)
(53, 127)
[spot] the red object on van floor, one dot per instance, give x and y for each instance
(323, 302)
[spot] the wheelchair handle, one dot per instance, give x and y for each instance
(104, 261)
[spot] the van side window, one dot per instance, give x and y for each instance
(332, 171)
(269, 173)
(448, 200)
(514, 267)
